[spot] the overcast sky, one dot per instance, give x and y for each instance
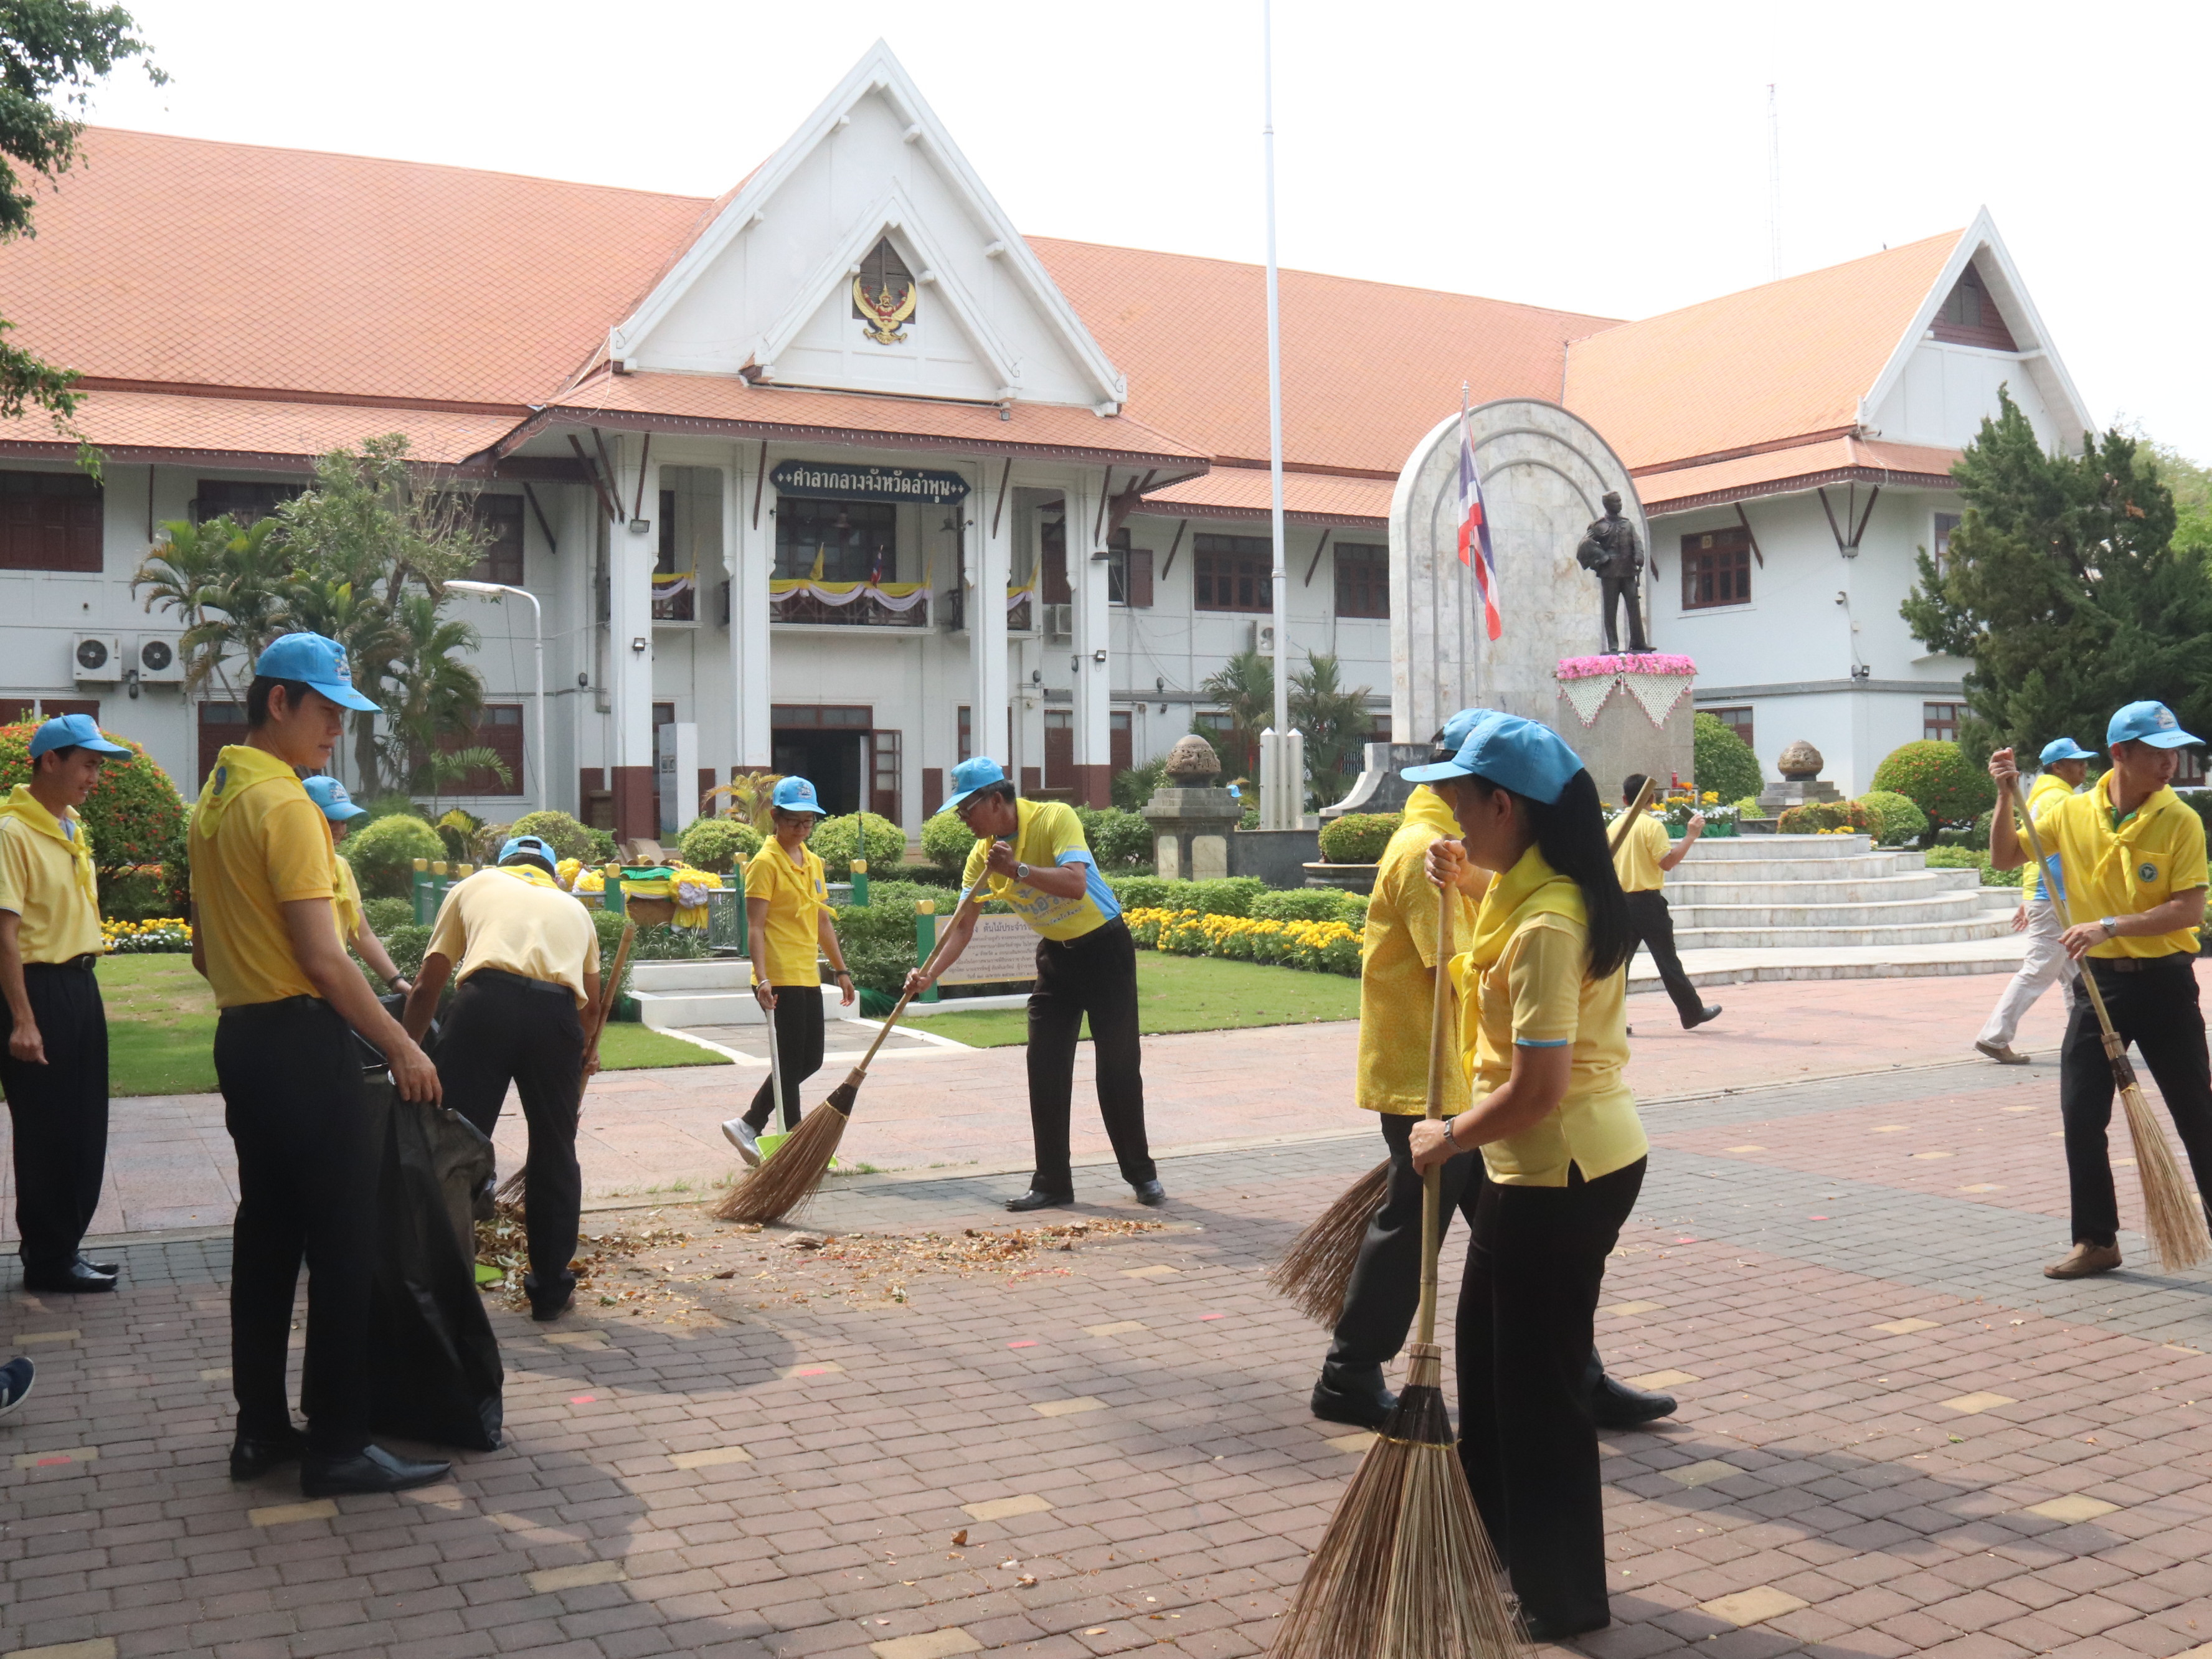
(1601, 157)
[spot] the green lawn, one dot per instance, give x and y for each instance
(160, 1031)
(1187, 994)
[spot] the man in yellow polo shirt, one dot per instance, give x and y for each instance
(1034, 857)
(2132, 880)
(293, 1097)
(1644, 857)
(54, 1065)
(527, 956)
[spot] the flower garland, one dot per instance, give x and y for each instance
(1644, 662)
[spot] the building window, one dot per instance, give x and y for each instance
(243, 502)
(1234, 573)
(1120, 740)
(1058, 748)
(1970, 317)
(1940, 540)
(1129, 573)
(835, 541)
(499, 520)
(1716, 569)
(883, 786)
(1737, 721)
(1363, 580)
(967, 733)
(1939, 721)
(220, 724)
(820, 716)
(2189, 769)
(49, 521)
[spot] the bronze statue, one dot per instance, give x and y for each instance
(1609, 552)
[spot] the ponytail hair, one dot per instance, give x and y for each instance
(1571, 835)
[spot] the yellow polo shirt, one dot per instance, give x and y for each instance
(1637, 863)
(345, 904)
(2047, 786)
(1048, 833)
(498, 918)
(43, 881)
(1395, 956)
(2157, 853)
(258, 842)
(796, 894)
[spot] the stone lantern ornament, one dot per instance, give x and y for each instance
(1191, 819)
(1800, 765)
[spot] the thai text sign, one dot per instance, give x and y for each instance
(1003, 948)
(833, 482)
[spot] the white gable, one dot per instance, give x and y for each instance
(1938, 392)
(768, 288)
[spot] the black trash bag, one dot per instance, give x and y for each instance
(434, 1362)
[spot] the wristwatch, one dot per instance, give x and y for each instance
(1021, 871)
(2111, 925)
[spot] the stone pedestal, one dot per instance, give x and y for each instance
(1621, 736)
(1190, 832)
(1778, 798)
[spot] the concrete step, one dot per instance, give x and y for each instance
(1988, 925)
(1783, 847)
(1857, 867)
(684, 1010)
(711, 974)
(1743, 966)
(1867, 890)
(1888, 913)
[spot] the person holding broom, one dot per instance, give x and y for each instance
(1032, 856)
(2131, 856)
(1543, 1036)
(2065, 766)
(1396, 975)
(527, 957)
(788, 924)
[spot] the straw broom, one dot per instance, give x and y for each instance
(791, 1177)
(1404, 1569)
(595, 1022)
(1315, 1274)
(2171, 1217)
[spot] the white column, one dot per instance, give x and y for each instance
(751, 555)
(629, 625)
(991, 563)
(1086, 578)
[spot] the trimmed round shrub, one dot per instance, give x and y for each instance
(1748, 807)
(1896, 820)
(946, 843)
(1225, 896)
(1359, 838)
(715, 844)
(383, 854)
(1936, 777)
(566, 835)
(602, 847)
(1117, 840)
(383, 915)
(1722, 762)
(838, 841)
(1825, 816)
(1299, 904)
(1144, 892)
(134, 815)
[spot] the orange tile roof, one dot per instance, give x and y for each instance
(1785, 360)
(1243, 492)
(1777, 471)
(1368, 367)
(255, 432)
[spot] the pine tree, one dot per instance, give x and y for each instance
(2063, 588)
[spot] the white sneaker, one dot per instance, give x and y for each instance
(743, 1136)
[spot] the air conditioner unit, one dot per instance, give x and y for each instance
(157, 659)
(1263, 638)
(98, 657)
(1060, 622)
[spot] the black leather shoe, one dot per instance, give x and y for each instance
(546, 1308)
(1541, 1628)
(370, 1469)
(1706, 1016)
(75, 1280)
(1615, 1405)
(1363, 1408)
(253, 1456)
(112, 1269)
(1034, 1199)
(1151, 1193)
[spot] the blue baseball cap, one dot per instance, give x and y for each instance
(1511, 752)
(317, 662)
(1457, 727)
(976, 772)
(2062, 748)
(528, 846)
(2148, 722)
(72, 731)
(796, 795)
(331, 795)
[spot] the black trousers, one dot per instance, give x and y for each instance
(1095, 974)
(1535, 1262)
(798, 1028)
(1386, 1281)
(1654, 925)
(504, 1028)
(59, 1111)
(2155, 1008)
(1614, 592)
(307, 1164)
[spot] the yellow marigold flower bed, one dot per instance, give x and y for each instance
(1319, 947)
(156, 934)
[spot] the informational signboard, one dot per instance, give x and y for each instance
(838, 482)
(1003, 948)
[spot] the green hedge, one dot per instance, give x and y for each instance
(1936, 776)
(1359, 838)
(838, 841)
(1305, 904)
(1896, 820)
(1971, 858)
(716, 844)
(1117, 840)
(383, 853)
(383, 915)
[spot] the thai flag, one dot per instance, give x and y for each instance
(1474, 530)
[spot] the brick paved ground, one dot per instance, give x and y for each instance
(780, 1462)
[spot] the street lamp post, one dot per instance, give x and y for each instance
(492, 591)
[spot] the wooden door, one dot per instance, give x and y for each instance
(1119, 746)
(1058, 748)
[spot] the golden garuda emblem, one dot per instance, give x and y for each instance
(884, 315)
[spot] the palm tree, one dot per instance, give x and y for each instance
(429, 693)
(1336, 721)
(225, 584)
(1244, 688)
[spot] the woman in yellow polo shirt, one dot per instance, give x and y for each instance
(1544, 1031)
(788, 922)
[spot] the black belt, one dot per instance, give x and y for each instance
(269, 1009)
(522, 980)
(82, 964)
(2171, 961)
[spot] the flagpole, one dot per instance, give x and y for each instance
(1282, 799)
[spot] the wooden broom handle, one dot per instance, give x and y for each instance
(1440, 1011)
(610, 989)
(2054, 890)
(905, 997)
(1628, 818)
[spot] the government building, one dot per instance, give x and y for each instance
(840, 474)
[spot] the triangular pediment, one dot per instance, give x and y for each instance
(866, 256)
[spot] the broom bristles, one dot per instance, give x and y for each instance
(1316, 1273)
(785, 1182)
(2171, 1217)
